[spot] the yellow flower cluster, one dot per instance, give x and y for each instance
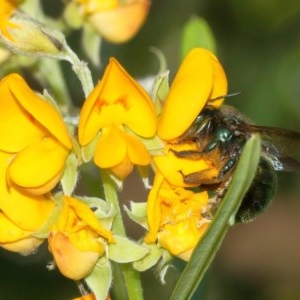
(40, 152)
(115, 120)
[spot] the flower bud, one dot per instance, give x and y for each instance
(72, 262)
(22, 34)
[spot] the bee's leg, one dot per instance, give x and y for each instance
(229, 164)
(189, 154)
(211, 146)
(201, 178)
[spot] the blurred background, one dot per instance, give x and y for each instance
(258, 44)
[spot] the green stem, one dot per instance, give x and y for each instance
(130, 276)
(81, 70)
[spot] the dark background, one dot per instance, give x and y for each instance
(259, 46)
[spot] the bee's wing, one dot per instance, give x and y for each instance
(276, 141)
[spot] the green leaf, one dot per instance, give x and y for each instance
(197, 33)
(212, 239)
(137, 213)
(124, 250)
(100, 279)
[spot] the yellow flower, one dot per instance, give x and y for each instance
(77, 240)
(200, 79)
(121, 111)
(33, 132)
(116, 21)
(174, 217)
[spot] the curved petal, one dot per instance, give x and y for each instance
(123, 169)
(117, 99)
(40, 110)
(86, 214)
(154, 211)
(9, 232)
(24, 247)
(38, 166)
(15, 239)
(137, 152)
(28, 212)
(220, 83)
(189, 92)
(111, 148)
(17, 127)
(6, 10)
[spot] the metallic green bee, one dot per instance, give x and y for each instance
(220, 135)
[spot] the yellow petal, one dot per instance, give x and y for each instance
(28, 212)
(154, 209)
(116, 100)
(123, 169)
(85, 213)
(6, 10)
(111, 148)
(9, 232)
(17, 127)
(41, 111)
(15, 239)
(25, 246)
(137, 152)
(120, 24)
(220, 83)
(192, 87)
(39, 166)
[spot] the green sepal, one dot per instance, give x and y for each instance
(160, 90)
(99, 280)
(70, 176)
(197, 33)
(154, 255)
(124, 250)
(91, 42)
(211, 241)
(164, 265)
(154, 144)
(138, 213)
(88, 151)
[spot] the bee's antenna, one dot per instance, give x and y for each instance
(225, 96)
